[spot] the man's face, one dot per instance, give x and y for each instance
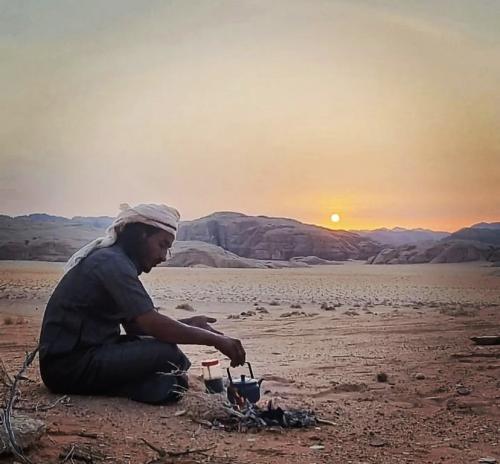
(154, 250)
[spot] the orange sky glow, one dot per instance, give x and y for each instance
(387, 113)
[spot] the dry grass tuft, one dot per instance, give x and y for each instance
(202, 406)
(185, 307)
(458, 312)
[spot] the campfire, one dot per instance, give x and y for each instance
(214, 410)
(252, 416)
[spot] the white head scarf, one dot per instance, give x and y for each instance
(160, 216)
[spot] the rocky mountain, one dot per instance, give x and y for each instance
(53, 238)
(269, 238)
(486, 233)
(44, 238)
(235, 240)
(486, 225)
(201, 254)
(192, 253)
(401, 236)
(445, 251)
(480, 242)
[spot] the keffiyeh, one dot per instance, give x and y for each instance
(160, 216)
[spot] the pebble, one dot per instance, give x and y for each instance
(420, 376)
(377, 442)
(461, 390)
(320, 447)
(381, 377)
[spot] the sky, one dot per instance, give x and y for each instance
(385, 112)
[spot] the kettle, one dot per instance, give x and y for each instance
(245, 388)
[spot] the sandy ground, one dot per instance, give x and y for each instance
(411, 322)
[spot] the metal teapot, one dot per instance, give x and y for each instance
(245, 388)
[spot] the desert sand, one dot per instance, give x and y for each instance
(440, 403)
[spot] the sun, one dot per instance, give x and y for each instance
(335, 217)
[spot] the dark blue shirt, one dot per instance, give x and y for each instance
(91, 301)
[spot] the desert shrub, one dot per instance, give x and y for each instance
(327, 307)
(185, 307)
(382, 377)
(8, 320)
(457, 312)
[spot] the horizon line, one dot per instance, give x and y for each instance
(336, 229)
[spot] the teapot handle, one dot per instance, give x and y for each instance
(250, 369)
(229, 376)
(229, 373)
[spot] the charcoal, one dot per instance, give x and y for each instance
(250, 416)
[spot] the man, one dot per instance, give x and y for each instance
(81, 349)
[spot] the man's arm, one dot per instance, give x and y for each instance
(169, 330)
(202, 322)
(131, 328)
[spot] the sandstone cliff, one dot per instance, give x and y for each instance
(261, 237)
(193, 253)
(236, 239)
(400, 236)
(447, 251)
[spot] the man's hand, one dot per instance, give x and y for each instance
(169, 330)
(232, 348)
(202, 322)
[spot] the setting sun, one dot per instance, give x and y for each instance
(335, 217)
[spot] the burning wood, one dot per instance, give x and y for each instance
(251, 416)
(216, 411)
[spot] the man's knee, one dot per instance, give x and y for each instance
(176, 359)
(160, 388)
(183, 361)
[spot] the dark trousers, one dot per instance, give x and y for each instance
(140, 368)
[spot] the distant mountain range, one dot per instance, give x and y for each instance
(401, 236)
(480, 242)
(231, 239)
(486, 225)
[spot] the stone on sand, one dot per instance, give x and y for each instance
(27, 431)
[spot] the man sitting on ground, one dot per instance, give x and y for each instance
(81, 349)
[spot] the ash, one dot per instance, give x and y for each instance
(251, 416)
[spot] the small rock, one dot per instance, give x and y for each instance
(419, 376)
(377, 442)
(351, 312)
(185, 307)
(488, 460)
(381, 377)
(248, 313)
(461, 390)
(317, 447)
(327, 307)
(27, 431)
